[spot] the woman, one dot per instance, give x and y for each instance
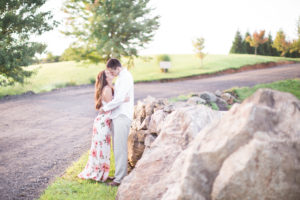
(97, 167)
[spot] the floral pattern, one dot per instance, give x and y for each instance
(97, 167)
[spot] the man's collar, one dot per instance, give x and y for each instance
(122, 70)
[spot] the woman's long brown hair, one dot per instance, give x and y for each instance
(100, 83)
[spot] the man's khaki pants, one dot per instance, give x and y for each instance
(120, 131)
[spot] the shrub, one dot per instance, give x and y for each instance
(163, 57)
(92, 80)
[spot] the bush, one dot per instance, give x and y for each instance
(92, 80)
(163, 57)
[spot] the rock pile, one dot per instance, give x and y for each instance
(250, 152)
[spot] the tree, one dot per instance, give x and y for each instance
(52, 58)
(114, 28)
(237, 44)
(256, 39)
(295, 46)
(19, 20)
(272, 51)
(71, 53)
(248, 49)
(280, 43)
(298, 27)
(199, 46)
(267, 49)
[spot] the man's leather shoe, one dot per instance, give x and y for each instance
(113, 184)
(111, 178)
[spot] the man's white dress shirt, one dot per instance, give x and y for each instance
(123, 87)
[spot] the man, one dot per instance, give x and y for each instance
(122, 115)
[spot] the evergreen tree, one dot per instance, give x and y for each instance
(248, 49)
(237, 44)
(267, 49)
(115, 28)
(19, 20)
(262, 49)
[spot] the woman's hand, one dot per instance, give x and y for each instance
(101, 111)
(127, 98)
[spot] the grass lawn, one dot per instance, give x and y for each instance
(69, 187)
(57, 75)
(292, 86)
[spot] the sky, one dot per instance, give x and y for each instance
(215, 20)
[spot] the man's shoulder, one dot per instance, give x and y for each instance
(128, 75)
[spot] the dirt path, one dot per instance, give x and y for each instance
(41, 135)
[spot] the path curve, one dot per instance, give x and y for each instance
(42, 134)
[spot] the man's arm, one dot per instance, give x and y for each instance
(120, 94)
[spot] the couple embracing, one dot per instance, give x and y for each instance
(116, 107)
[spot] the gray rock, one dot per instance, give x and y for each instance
(208, 97)
(228, 98)
(218, 93)
(149, 139)
(196, 100)
(169, 108)
(222, 104)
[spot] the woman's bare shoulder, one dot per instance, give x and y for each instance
(107, 93)
(107, 89)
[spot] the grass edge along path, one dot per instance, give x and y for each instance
(241, 93)
(70, 187)
(290, 85)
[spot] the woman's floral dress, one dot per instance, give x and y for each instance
(97, 167)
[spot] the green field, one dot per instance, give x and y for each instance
(292, 86)
(72, 188)
(57, 75)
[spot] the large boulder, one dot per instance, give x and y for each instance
(156, 122)
(251, 152)
(148, 178)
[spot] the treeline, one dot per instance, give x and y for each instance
(258, 44)
(70, 54)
